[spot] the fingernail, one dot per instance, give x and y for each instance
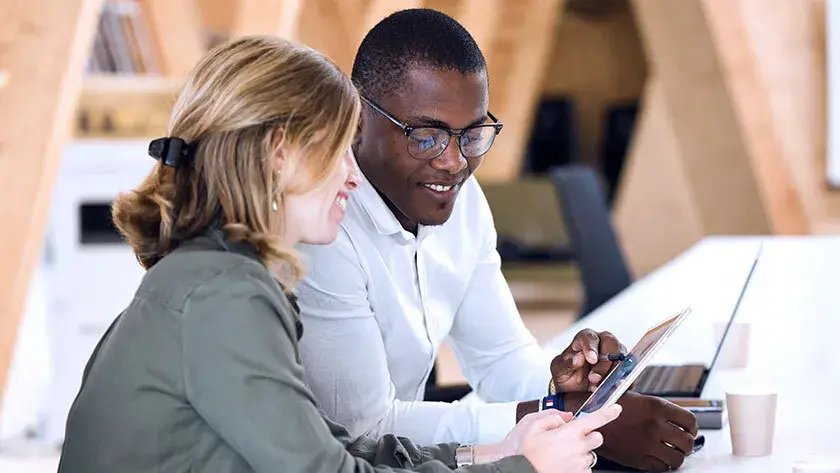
(594, 377)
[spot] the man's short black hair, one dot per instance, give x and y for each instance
(410, 38)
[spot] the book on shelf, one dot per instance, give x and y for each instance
(124, 43)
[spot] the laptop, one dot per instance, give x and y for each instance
(687, 380)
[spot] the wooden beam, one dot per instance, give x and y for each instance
(516, 63)
(352, 12)
(176, 26)
(721, 116)
(324, 26)
(35, 111)
(789, 46)
(596, 65)
(449, 7)
(655, 213)
(482, 19)
(269, 17)
(219, 16)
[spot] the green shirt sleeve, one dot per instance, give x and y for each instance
(242, 377)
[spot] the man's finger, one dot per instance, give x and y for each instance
(682, 418)
(678, 438)
(586, 341)
(668, 455)
(597, 419)
(607, 343)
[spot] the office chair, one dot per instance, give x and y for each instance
(619, 123)
(555, 137)
(601, 263)
(435, 393)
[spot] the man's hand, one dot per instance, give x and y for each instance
(578, 367)
(651, 434)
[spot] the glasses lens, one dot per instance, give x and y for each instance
(427, 143)
(477, 141)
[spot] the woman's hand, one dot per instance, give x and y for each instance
(552, 442)
(530, 426)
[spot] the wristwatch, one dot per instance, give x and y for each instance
(464, 456)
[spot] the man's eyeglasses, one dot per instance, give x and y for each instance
(427, 142)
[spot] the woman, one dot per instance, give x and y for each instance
(201, 371)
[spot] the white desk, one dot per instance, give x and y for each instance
(793, 304)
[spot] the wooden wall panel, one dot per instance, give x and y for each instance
(323, 27)
(43, 47)
(218, 16)
(597, 62)
(655, 214)
(517, 59)
(788, 39)
(269, 17)
(177, 28)
(482, 18)
(722, 116)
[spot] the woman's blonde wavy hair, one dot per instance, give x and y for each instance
(238, 103)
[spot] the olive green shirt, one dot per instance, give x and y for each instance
(201, 373)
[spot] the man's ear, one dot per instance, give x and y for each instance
(357, 140)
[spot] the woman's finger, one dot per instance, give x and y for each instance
(597, 419)
(548, 419)
(593, 440)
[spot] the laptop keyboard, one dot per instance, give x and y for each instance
(666, 379)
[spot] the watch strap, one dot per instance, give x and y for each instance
(554, 401)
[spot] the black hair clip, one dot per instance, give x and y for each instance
(173, 151)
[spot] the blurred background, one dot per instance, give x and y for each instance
(633, 129)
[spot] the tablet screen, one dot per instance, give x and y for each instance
(617, 381)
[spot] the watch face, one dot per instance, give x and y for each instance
(464, 456)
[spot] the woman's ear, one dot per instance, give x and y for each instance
(277, 144)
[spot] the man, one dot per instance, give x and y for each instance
(415, 262)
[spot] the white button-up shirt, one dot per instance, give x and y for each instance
(376, 305)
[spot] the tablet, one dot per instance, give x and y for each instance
(622, 376)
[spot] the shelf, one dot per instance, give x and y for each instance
(124, 106)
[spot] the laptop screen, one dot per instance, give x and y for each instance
(735, 309)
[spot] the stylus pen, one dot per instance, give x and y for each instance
(612, 357)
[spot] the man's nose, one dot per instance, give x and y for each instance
(451, 160)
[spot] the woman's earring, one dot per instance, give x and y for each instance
(274, 202)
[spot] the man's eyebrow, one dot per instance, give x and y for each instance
(423, 120)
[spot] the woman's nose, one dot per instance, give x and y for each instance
(353, 176)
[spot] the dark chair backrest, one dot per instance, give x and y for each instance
(603, 270)
(555, 139)
(619, 125)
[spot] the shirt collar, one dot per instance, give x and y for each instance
(381, 216)
(376, 209)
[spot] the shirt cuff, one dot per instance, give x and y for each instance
(495, 421)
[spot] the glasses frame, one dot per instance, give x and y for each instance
(408, 129)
